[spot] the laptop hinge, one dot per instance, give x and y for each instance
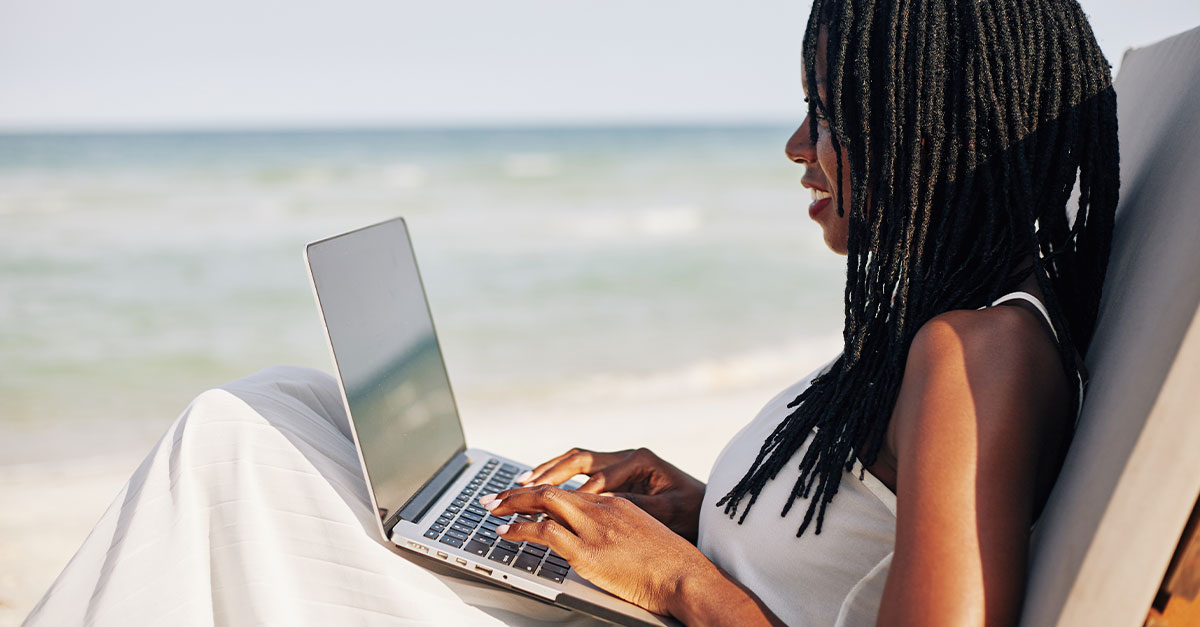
(425, 497)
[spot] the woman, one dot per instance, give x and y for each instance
(898, 483)
(942, 142)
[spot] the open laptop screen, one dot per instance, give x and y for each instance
(388, 358)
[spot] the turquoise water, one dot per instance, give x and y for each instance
(139, 269)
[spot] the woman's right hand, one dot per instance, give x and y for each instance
(662, 490)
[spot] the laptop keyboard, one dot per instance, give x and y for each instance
(467, 525)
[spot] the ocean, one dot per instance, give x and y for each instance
(580, 264)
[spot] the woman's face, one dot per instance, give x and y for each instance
(820, 166)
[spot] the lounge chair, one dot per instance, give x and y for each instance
(1132, 475)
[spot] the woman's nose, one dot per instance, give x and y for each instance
(799, 146)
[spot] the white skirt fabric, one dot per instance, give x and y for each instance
(251, 510)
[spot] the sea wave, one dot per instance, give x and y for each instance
(776, 366)
(532, 165)
(653, 222)
(404, 175)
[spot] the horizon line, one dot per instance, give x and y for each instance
(384, 126)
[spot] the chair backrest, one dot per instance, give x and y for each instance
(1133, 470)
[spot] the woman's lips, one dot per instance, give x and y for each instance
(820, 201)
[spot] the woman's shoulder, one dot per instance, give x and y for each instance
(981, 366)
(1008, 340)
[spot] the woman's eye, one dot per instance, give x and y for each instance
(818, 113)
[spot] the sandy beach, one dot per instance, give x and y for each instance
(50, 506)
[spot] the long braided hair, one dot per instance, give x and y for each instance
(965, 124)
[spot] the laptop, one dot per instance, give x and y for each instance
(422, 479)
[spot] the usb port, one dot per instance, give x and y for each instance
(442, 554)
(483, 569)
(461, 561)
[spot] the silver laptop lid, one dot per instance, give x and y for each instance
(388, 360)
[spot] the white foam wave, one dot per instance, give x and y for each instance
(777, 366)
(404, 175)
(658, 223)
(532, 165)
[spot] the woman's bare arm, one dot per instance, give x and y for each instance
(980, 391)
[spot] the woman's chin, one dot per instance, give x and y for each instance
(836, 244)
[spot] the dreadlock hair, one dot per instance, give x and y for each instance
(965, 125)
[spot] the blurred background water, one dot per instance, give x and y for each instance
(573, 263)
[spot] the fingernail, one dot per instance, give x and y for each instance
(502, 529)
(487, 498)
(525, 476)
(490, 505)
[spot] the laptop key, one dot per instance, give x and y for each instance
(458, 534)
(551, 575)
(534, 549)
(474, 518)
(488, 540)
(503, 556)
(477, 547)
(509, 546)
(527, 562)
(557, 560)
(509, 468)
(452, 541)
(436, 527)
(432, 534)
(554, 568)
(461, 528)
(444, 520)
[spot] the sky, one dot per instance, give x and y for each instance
(145, 64)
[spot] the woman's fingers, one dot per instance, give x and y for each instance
(563, 505)
(574, 462)
(614, 477)
(527, 476)
(547, 533)
(628, 496)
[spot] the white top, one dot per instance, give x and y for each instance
(835, 578)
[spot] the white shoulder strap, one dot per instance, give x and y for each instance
(1032, 300)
